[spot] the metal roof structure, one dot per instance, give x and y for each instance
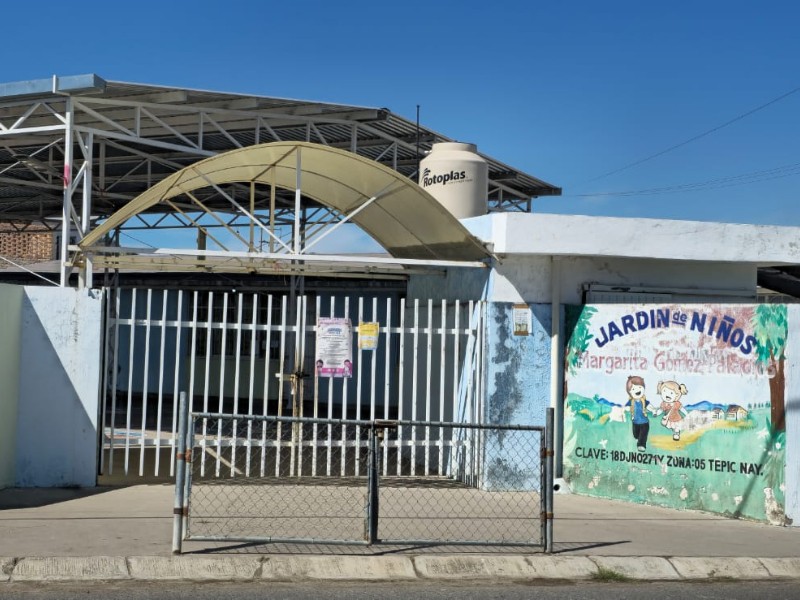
(77, 149)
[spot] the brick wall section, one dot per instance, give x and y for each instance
(33, 244)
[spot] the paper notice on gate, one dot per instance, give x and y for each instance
(334, 357)
(368, 336)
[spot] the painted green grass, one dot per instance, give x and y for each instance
(735, 494)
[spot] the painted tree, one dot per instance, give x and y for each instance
(578, 320)
(770, 328)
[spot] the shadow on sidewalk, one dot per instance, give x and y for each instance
(16, 498)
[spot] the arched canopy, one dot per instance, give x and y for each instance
(406, 220)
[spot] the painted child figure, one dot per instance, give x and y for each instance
(638, 405)
(671, 392)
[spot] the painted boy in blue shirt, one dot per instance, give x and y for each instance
(638, 405)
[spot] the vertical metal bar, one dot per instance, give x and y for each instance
(315, 426)
(387, 338)
(345, 386)
(470, 375)
(236, 379)
(372, 364)
(297, 198)
(66, 213)
(548, 483)
(358, 390)
(180, 475)
(107, 300)
(428, 377)
(176, 380)
(251, 388)
(161, 376)
(86, 212)
(373, 409)
(442, 369)
(265, 397)
(456, 381)
(329, 458)
(281, 368)
(131, 362)
(400, 386)
(114, 373)
(299, 390)
(222, 356)
(295, 400)
(207, 375)
(372, 488)
(146, 377)
(415, 373)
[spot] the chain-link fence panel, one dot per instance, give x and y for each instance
(278, 479)
(493, 493)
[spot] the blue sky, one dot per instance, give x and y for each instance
(565, 91)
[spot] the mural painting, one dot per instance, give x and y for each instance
(679, 406)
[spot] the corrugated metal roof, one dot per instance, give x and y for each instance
(149, 132)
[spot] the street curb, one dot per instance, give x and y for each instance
(720, 568)
(6, 566)
(338, 568)
(511, 568)
(194, 568)
(70, 568)
(651, 568)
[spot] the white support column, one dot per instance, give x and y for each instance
(66, 211)
(86, 212)
(555, 357)
(297, 196)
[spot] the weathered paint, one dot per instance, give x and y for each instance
(517, 391)
(58, 391)
(11, 303)
(709, 436)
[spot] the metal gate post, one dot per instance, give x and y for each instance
(180, 476)
(548, 483)
(372, 486)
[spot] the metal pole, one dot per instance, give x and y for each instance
(548, 488)
(180, 475)
(372, 487)
(66, 213)
(86, 212)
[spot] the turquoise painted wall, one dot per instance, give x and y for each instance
(517, 393)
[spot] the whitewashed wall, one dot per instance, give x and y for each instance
(10, 308)
(59, 371)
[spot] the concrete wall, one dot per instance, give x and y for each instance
(10, 309)
(718, 443)
(526, 278)
(60, 354)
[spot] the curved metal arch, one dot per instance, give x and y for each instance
(406, 220)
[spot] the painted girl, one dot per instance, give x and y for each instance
(638, 405)
(671, 393)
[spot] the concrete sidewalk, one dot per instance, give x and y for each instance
(125, 533)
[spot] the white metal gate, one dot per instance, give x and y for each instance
(253, 354)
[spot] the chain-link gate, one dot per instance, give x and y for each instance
(268, 479)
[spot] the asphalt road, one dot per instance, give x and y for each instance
(718, 590)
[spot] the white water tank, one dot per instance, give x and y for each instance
(456, 176)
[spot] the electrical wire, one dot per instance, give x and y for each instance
(695, 138)
(711, 184)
